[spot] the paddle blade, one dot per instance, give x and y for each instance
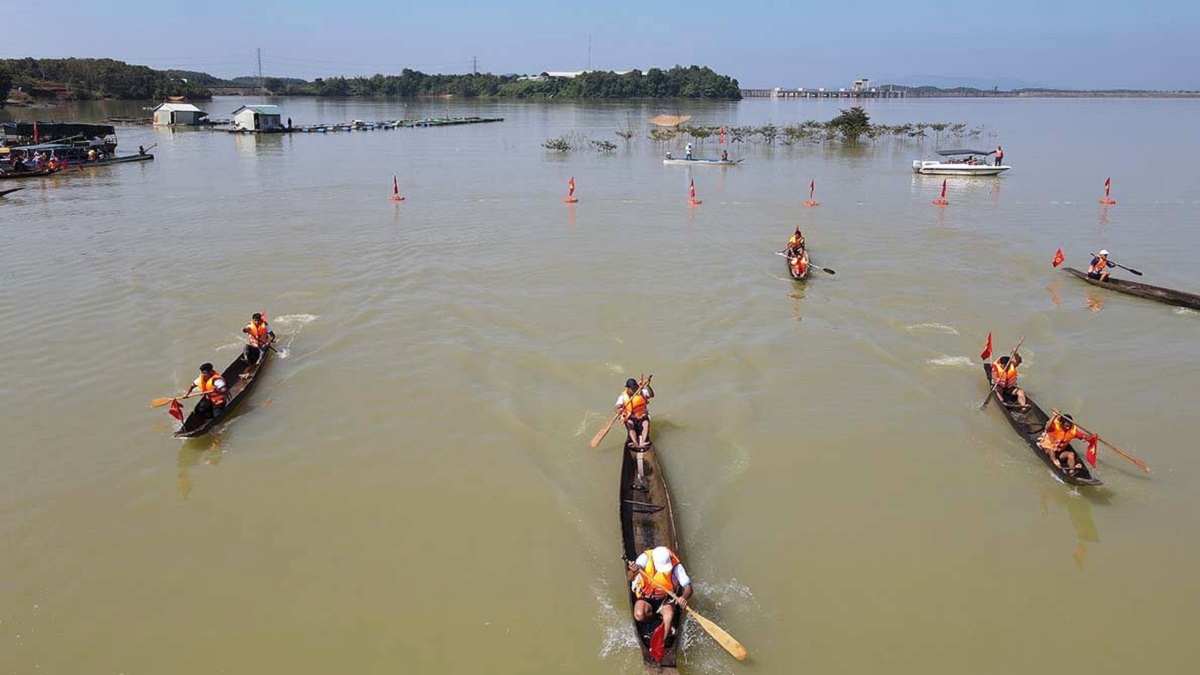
(1091, 449)
(987, 349)
(727, 641)
(176, 410)
(160, 402)
(1058, 258)
(658, 641)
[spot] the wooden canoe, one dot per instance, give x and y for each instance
(646, 522)
(239, 378)
(1029, 425)
(681, 161)
(28, 174)
(796, 276)
(1167, 295)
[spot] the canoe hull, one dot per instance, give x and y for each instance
(1156, 293)
(239, 388)
(647, 521)
(927, 168)
(701, 162)
(1029, 425)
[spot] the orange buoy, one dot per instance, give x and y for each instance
(571, 198)
(396, 191)
(941, 201)
(812, 187)
(692, 201)
(1108, 200)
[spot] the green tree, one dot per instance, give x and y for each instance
(5, 83)
(851, 123)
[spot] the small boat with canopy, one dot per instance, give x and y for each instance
(961, 162)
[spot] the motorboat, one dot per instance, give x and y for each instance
(959, 163)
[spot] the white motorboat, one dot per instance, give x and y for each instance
(969, 163)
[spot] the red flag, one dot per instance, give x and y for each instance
(1091, 449)
(692, 189)
(571, 187)
(35, 133)
(943, 189)
(176, 410)
(812, 187)
(722, 134)
(658, 641)
(1107, 185)
(1058, 258)
(987, 349)
(395, 186)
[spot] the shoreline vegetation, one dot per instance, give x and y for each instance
(848, 127)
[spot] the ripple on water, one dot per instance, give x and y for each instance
(933, 328)
(952, 361)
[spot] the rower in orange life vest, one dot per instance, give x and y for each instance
(797, 254)
(259, 337)
(631, 404)
(212, 384)
(1004, 377)
(795, 243)
(664, 570)
(1099, 268)
(1056, 440)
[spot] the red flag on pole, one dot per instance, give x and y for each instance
(943, 188)
(1058, 258)
(987, 349)
(35, 133)
(1107, 185)
(812, 187)
(176, 410)
(1091, 449)
(722, 134)
(692, 189)
(395, 186)
(571, 187)
(658, 641)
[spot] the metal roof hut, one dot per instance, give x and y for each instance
(258, 118)
(171, 113)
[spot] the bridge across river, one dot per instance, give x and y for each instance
(779, 92)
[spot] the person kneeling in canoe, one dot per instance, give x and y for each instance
(212, 384)
(1098, 270)
(632, 405)
(798, 263)
(795, 243)
(1056, 441)
(259, 337)
(1004, 378)
(654, 571)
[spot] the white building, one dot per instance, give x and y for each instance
(862, 85)
(178, 113)
(258, 118)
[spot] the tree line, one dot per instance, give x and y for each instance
(89, 79)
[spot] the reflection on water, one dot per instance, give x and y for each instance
(1053, 288)
(1103, 218)
(1094, 301)
(1079, 511)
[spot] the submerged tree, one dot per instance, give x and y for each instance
(851, 123)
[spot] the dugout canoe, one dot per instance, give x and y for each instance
(10, 175)
(1029, 425)
(239, 378)
(1165, 295)
(647, 521)
(681, 161)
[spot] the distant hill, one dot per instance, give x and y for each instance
(980, 83)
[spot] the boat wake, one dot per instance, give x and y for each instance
(618, 631)
(933, 328)
(291, 325)
(1184, 311)
(952, 361)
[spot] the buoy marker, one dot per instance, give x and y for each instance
(692, 201)
(812, 187)
(941, 201)
(571, 198)
(396, 197)
(1108, 200)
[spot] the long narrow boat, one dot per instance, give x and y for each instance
(1166, 295)
(646, 522)
(28, 174)
(239, 378)
(1029, 425)
(680, 161)
(9, 191)
(119, 160)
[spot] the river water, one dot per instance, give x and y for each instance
(410, 489)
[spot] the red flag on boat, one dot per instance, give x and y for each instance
(571, 187)
(722, 134)
(395, 186)
(1058, 258)
(658, 641)
(812, 187)
(1091, 449)
(943, 188)
(1107, 185)
(987, 349)
(35, 133)
(692, 189)
(175, 410)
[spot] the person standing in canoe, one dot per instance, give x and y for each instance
(653, 571)
(259, 336)
(1056, 440)
(632, 406)
(1004, 377)
(212, 385)
(1099, 268)
(688, 151)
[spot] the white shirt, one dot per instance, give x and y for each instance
(678, 574)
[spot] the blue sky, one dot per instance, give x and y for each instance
(1065, 43)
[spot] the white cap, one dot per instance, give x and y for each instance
(662, 559)
(1103, 251)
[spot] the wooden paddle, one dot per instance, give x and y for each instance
(1127, 269)
(727, 641)
(1132, 460)
(7, 192)
(160, 402)
(604, 430)
(810, 263)
(1011, 356)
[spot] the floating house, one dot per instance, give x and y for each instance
(172, 113)
(258, 118)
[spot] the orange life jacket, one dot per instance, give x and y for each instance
(635, 406)
(799, 267)
(1006, 377)
(1057, 437)
(205, 385)
(258, 334)
(1098, 267)
(661, 579)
